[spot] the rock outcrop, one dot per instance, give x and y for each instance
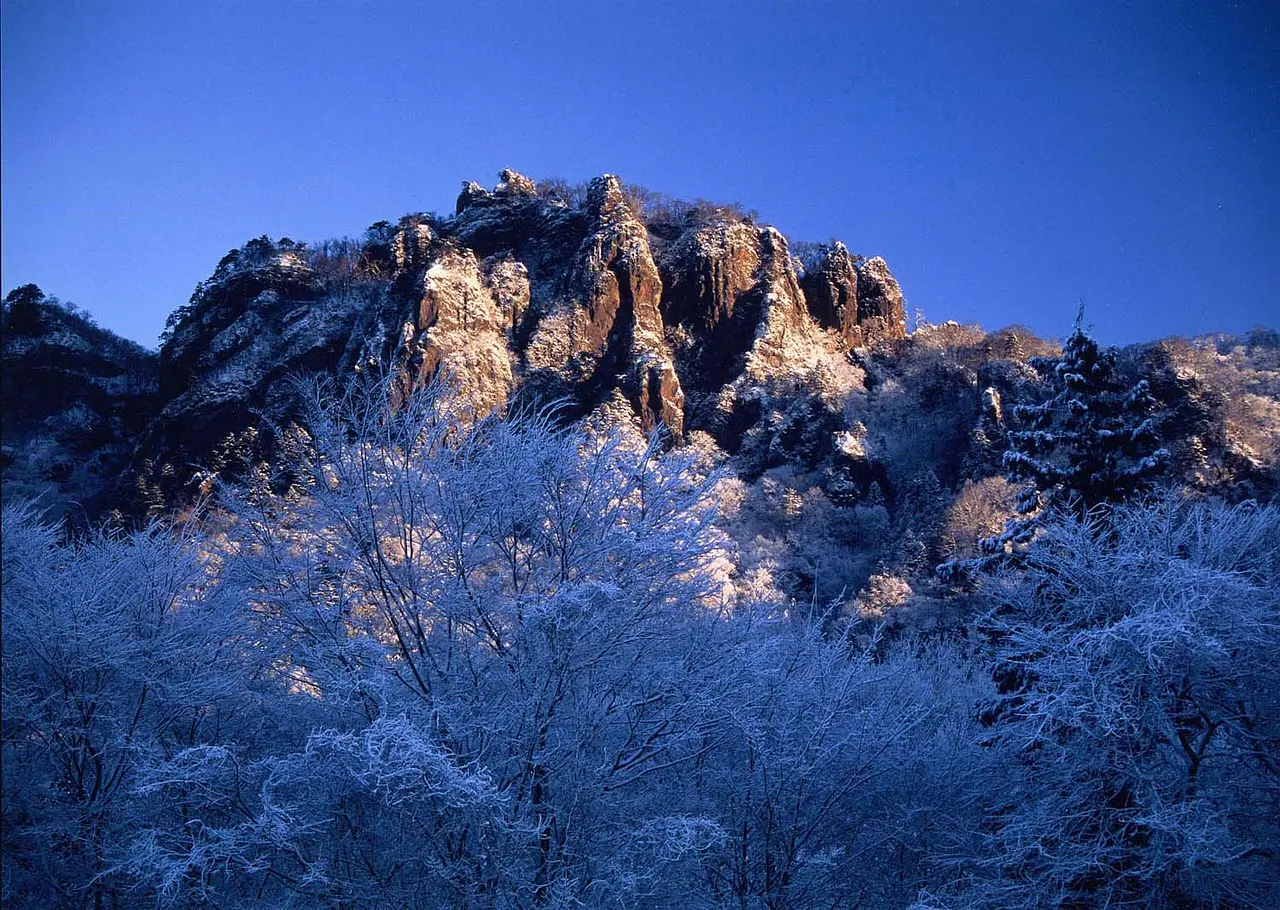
(583, 294)
(616, 296)
(729, 288)
(75, 400)
(459, 330)
(831, 291)
(784, 341)
(760, 371)
(507, 279)
(527, 295)
(859, 300)
(265, 318)
(881, 311)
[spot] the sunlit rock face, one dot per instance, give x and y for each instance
(683, 335)
(579, 293)
(759, 370)
(521, 295)
(460, 331)
(859, 300)
(881, 311)
(691, 320)
(614, 282)
(508, 280)
(733, 299)
(411, 247)
(616, 295)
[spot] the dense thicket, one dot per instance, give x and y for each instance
(441, 662)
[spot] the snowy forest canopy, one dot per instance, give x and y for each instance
(429, 660)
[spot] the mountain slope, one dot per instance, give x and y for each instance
(607, 300)
(75, 400)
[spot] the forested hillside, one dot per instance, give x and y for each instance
(586, 548)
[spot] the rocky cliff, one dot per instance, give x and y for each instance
(850, 450)
(857, 298)
(697, 323)
(602, 298)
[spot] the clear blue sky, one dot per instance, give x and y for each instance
(1007, 159)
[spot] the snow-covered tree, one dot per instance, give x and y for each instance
(1139, 748)
(1088, 442)
(119, 654)
(841, 777)
(448, 662)
(527, 690)
(510, 633)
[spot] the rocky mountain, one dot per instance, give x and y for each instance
(692, 319)
(641, 647)
(607, 299)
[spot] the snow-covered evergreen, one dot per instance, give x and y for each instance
(1090, 441)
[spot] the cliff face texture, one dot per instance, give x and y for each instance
(604, 300)
(860, 300)
(520, 295)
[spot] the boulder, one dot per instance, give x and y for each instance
(513, 184)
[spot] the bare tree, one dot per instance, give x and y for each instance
(117, 655)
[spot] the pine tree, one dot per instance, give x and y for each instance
(1089, 443)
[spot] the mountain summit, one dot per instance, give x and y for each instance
(595, 298)
(607, 299)
(690, 315)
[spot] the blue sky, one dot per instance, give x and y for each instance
(1008, 159)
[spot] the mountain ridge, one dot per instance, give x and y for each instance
(689, 316)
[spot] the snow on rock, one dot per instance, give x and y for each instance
(461, 332)
(882, 311)
(411, 246)
(786, 339)
(75, 398)
(699, 324)
(508, 281)
(514, 184)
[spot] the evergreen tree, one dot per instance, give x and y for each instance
(1091, 441)
(1088, 443)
